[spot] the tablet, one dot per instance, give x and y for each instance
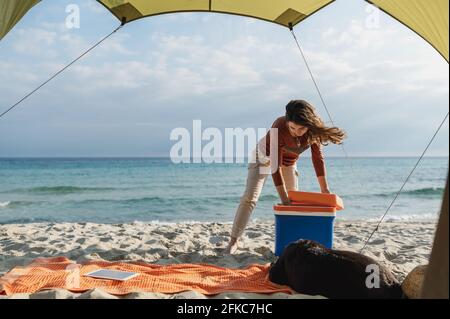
(112, 274)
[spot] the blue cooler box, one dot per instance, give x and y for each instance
(293, 225)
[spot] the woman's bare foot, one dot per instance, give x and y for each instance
(232, 246)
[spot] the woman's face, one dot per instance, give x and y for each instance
(296, 130)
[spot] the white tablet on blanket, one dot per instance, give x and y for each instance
(112, 274)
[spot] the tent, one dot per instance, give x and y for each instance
(427, 18)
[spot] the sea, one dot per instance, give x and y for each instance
(128, 190)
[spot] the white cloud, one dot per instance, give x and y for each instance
(116, 44)
(35, 42)
(11, 72)
(362, 58)
(94, 6)
(111, 76)
(183, 65)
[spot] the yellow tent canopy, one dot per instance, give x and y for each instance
(429, 19)
(283, 12)
(11, 11)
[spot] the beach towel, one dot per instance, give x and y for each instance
(60, 272)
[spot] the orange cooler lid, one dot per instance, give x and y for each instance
(316, 199)
(304, 209)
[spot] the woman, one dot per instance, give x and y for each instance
(301, 128)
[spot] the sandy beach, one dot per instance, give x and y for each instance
(399, 245)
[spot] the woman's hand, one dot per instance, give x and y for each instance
(323, 185)
(287, 203)
(281, 189)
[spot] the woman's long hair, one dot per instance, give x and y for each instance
(302, 113)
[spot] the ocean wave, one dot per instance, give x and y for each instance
(180, 222)
(429, 191)
(157, 200)
(15, 204)
(269, 197)
(420, 192)
(4, 204)
(149, 200)
(406, 217)
(59, 190)
(26, 220)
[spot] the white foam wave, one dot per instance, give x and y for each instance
(4, 204)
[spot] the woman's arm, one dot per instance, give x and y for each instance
(323, 184)
(276, 158)
(282, 192)
(319, 167)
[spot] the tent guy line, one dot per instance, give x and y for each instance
(62, 70)
(405, 182)
(319, 92)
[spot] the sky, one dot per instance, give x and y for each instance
(384, 85)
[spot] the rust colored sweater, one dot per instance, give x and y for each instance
(290, 147)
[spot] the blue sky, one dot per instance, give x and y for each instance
(383, 84)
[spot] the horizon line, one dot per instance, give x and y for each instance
(223, 158)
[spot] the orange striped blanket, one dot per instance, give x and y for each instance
(60, 272)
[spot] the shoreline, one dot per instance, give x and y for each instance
(387, 220)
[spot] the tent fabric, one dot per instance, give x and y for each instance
(11, 11)
(429, 19)
(436, 282)
(283, 12)
(60, 272)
